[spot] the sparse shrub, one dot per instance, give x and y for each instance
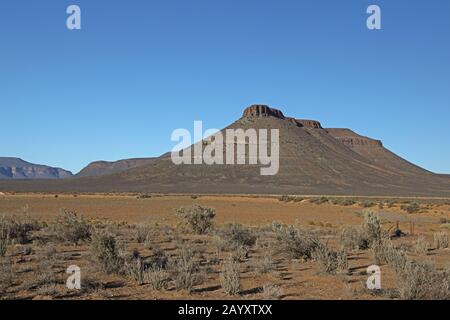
(421, 281)
(441, 240)
(199, 218)
(385, 252)
(134, 267)
(285, 198)
(372, 227)
(293, 242)
(390, 203)
(410, 208)
(230, 277)
(186, 271)
(271, 291)
(6, 275)
(158, 260)
(353, 238)
(4, 239)
(320, 200)
(18, 227)
(237, 237)
(347, 202)
(47, 273)
(105, 252)
(157, 278)
(71, 227)
(329, 260)
(142, 233)
(264, 264)
(367, 204)
(144, 196)
(421, 246)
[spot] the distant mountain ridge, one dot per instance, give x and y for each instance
(18, 169)
(100, 168)
(314, 160)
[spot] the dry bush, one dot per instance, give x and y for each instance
(422, 281)
(234, 236)
(390, 203)
(47, 274)
(372, 227)
(4, 239)
(421, 246)
(105, 251)
(329, 260)
(264, 264)
(18, 227)
(353, 238)
(441, 240)
(143, 233)
(198, 218)
(367, 204)
(271, 291)
(230, 278)
(158, 260)
(186, 272)
(134, 267)
(385, 252)
(6, 276)
(71, 228)
(294, 243)
(320, 200)
(410, 208)
(157, 278)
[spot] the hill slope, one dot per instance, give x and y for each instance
(101, 168)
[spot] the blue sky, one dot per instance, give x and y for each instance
(139, 69)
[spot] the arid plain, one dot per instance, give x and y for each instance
(249, 249)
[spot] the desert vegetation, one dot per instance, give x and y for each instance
(199, 257)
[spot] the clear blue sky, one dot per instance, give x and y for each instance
(139, 69)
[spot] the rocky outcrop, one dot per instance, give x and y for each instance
(313, 124)
(15, 168)
(259, 110)
(352, 139)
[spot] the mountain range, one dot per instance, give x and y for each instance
(313, 160)
(15, 168)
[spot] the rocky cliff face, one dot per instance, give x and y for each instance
(259, 110)
(15, 168)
